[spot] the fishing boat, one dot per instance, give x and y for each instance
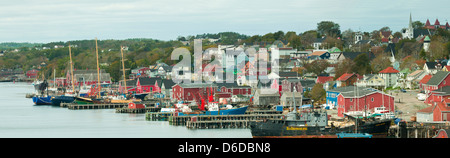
(311, 123)
(62, 99)
(83, 100)
(42, 100)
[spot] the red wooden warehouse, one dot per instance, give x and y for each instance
(364, 100)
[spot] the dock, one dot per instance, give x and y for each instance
(158, 116)
(95, 106)
(137, 110)
(417, 129)
(219, 121)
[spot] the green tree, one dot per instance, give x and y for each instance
(328, 28)
(318, 93)
(362, 64)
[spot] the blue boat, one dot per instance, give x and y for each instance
(62, 99)
(37, 100)
(237, 111)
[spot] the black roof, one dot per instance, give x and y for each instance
(353, 55)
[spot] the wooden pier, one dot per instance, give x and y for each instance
(137, 110)
(158, 116)
(95, 106)
(219, 121)
(417, 130)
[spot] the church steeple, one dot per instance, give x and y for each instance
(410, 21)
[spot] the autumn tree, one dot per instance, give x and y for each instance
(317, 66)
(318, 93)
(344, 66)
(380, 62)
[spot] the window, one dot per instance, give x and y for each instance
(372, 99)
(351, 100)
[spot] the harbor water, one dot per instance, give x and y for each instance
(20, 118)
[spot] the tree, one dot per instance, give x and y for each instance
(380, 62)
(318, 93)
(317, 66)
(344, 66)
(362, 65)
(417, 24)
(328, 28)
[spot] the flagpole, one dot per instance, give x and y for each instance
(123, 70)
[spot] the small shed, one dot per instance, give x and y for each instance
(287, 98)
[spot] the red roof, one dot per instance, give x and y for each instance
(443, 107)
(427, 23)
(437, 22)
(427, 110)
(324, 79)
(345, 77)
(425, 79)
(389, 70)
(385, 40)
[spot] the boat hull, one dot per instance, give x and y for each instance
(62, 99)
(42, 100)
(237, 111)
(279, 129)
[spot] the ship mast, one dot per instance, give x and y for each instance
(71, 69)
(123, 70)
(98, 69)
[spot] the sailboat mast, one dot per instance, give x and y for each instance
(71, 69)
(98, 69)
(123, 70)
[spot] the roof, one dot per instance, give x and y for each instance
(197, 85)
(353, 55)
(443, 91)
(431, 65)
(358, 93)
(318, 53)
(347, 89)
(425, 79)
(288, 74)
(427, 110)
(438, 78)
(344, 77)
(323, 79)
(389, 70)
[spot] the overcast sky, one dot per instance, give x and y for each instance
(62, 20)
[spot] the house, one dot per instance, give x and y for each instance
(32, 73)
(227, 90)
(264, 97)
(287, 85)
(193, 91)
(386, 36)
(425, 115)
(438, 95)
(441, 112)
(353, 55)
(148, 85)
(439, 80)
(139, 72)
(371, 80)
(287, 99)
(318, 42)
(320, 54)
(414, 78)
(364, 100)
(332, 94)
(324, 79)
(390, 76)
(424, 81)
(346, 79)
(432, 67)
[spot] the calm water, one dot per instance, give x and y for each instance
(20, 118)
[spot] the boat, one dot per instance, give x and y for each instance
(314, 125)
(83, 100)
(62, 99)
(310, 123)
(212, 109)
(42, 100)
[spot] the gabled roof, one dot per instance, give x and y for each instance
(353, 55)
(389, 70)
(438, 78)
(318, 53)
(324, 79)
(425, 79)
(344, 77)
(427, 110)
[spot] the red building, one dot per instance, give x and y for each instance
(439, 80)
(32, 73)
(364, 100)
(193, 91)
(424, 81)
(148, 85)
(441, 112)
(226, 90)
(347, 79)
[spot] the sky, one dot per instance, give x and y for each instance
(46, 21)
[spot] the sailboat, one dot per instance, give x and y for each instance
(68, 97)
